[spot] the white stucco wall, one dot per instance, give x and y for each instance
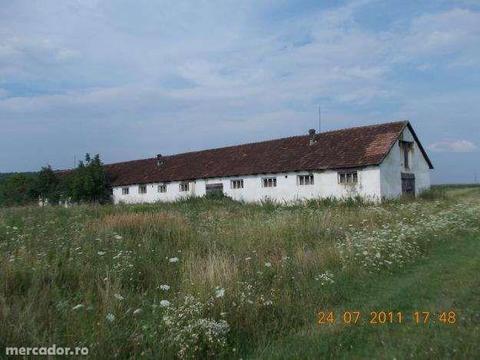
(153, 195)
(287, 190)
(393, 166)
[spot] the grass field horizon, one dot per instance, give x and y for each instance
(207, 278)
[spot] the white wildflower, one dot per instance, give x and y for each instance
(173, 260)
(325, 278)
(164, 303)
(268, 264)
(165, 287)
(137, 311)
(191, 333)
(110, 317)
(219, 292)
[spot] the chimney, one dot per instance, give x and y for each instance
(160, 160)
(311, 133)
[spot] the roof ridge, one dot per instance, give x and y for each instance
(263, 141)
(128, 161)
(365, 126)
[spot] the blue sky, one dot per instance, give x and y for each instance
(130, 79)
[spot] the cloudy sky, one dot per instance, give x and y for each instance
(130, 79)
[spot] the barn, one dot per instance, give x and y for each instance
(374, 162)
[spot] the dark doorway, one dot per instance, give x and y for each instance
(214, 189)
(408, 184)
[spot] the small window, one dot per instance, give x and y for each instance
(406, 147)
(350, 177)
(270, 182)
(236, 184)
(184, 187)
(125, 191)
(162, 188)
(305, 179)
(142, 189)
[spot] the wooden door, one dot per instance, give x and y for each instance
(408, 184)
(214, 188)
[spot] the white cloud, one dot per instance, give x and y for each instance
(224, 53)
(457, 146)
(453, 32)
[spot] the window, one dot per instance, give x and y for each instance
(236, 184)
(142, 189)
(184, 187)
(162, 188)
(270, 182)
(350, 177)
(305, 179)
(125, 191)
(406, 146)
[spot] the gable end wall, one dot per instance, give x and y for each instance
(392, 167)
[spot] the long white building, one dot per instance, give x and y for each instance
(374, 162)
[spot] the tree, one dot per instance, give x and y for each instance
(89, 181)
(47, 185)
(18, 189)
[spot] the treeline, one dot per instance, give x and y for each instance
(86, 183)
(4, 176)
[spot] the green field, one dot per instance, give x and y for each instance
(215, 278)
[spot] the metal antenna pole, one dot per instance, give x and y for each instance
(319, 119)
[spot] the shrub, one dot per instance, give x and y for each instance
(189, 333)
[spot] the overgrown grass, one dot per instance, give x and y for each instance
(217, 278)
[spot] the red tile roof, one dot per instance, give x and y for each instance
(347, 148)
